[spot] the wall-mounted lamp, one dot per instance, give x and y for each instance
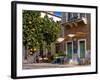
(71, 35)
(60, 39)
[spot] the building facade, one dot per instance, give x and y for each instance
(76, 31)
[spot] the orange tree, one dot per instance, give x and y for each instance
(37, 30)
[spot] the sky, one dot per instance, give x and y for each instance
(57, 13)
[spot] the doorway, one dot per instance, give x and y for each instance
(78, 48)
(81, 48)
(69, 49)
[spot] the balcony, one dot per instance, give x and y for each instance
(74, 22)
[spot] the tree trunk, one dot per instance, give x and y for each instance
(49, 53)
(41, 51)
(26, 52)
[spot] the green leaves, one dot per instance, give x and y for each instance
(30, 24)
(51, 30)
(37, 30)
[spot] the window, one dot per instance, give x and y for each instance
(72, 16)
(75, 15)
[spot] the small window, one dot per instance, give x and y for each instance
(69, 16)
(75, 15)
(82, 15)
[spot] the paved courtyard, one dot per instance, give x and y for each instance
(47, 65)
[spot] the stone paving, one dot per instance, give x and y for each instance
(47, 65)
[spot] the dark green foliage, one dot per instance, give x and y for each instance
(37, 30)
(58, 55)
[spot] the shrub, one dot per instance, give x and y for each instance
(58, 55)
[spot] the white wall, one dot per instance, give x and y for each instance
(5, 40)
(51, 16)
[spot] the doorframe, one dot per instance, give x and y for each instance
(72, 47)
(79, 46)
